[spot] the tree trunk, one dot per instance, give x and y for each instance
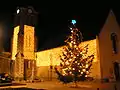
(75, 80)
(76, 84)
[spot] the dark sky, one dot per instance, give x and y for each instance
(53, 19)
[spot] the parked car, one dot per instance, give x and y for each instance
(5, 78)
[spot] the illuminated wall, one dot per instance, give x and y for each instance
(49, 57)
(28, 42)
(107, 57)
(93, 48)
(5, 62)
(15, 42)
(45, 58)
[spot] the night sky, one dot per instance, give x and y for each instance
(53, 19)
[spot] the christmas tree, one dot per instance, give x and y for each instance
(75, 64)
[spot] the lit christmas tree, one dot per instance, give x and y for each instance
(75, 64)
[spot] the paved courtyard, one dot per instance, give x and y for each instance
(56, 85)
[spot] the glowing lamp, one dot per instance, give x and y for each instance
(70, 72)
(86, 65)
(83, 70)
(73, 21)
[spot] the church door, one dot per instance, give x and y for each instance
(117, 71)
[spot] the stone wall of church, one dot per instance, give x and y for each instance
(51, 57)
(93, 48)
(44, 60)
(46, 73)
(4, 63)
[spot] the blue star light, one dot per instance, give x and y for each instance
(73, 21)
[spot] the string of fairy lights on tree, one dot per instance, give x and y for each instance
(74, 60)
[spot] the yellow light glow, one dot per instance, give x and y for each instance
(43, 57)
(87, 72)
(70, 59)
(92, 49)
(86, 76)
(28, 42)
(67, 63)
(75, 61)
(73, 68)
(86, 66)
(15, 42)
(63, 71)
(84, 70)
(28, 48)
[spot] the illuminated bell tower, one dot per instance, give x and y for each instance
(23, 48)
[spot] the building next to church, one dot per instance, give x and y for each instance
(24, 62)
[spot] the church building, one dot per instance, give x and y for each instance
(27, 63)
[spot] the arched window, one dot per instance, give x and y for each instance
(114, 43)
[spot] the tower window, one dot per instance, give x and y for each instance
(114, 43)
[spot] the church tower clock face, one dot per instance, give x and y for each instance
(29, 10)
